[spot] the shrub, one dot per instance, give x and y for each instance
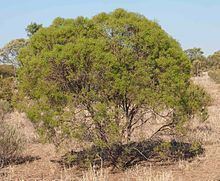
(118, 70)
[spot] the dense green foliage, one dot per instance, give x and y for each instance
(115, 72)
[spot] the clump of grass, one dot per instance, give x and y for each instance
(11, 144)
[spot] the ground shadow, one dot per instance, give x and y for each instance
(127, 155)
(4, 162)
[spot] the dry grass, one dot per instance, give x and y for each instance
(11, 144)
(208, 131)
(137, 173)
(147, 173)
(134, 174)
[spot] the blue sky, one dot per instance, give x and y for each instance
(194, 23)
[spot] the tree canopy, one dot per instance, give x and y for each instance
(195, 54)
(33, 28)
(120, 69)
(199, 61)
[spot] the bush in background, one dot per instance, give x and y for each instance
(215, 75)
(7, 87)
(213, 61)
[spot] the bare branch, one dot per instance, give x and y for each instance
(162, 128)
(143, 122)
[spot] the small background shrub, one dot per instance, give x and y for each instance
(215, 75)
